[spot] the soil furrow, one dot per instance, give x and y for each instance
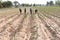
(6, 18)
(11, 28)
(49, 27)
(7, 22)
(24, 30)
(15, 37)
(33, 28)
(44, 32)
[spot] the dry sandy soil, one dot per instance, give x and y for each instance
(18, 26)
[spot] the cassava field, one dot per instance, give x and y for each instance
(43, 25)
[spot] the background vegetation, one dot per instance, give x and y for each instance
(17, 4)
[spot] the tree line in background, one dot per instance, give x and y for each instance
(51, 3)
(58, 3)
(5, 4)
(16, 4)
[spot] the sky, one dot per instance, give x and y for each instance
(31, 1)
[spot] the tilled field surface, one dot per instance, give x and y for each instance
(30, 27)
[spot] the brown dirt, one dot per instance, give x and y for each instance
(29, 27)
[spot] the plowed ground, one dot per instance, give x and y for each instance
(39, 26)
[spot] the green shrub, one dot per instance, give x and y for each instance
(7, 4)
